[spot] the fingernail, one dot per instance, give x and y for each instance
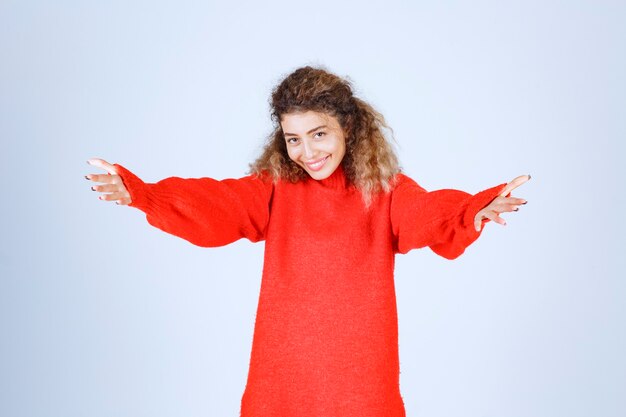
(93, 189)
(529, 176)
(525, 202)
(86, 177)
(516, 209)
(117, 202)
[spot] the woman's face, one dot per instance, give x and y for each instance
(315, 141)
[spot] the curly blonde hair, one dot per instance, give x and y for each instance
(369, 163)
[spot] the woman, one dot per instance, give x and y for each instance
(329, 200)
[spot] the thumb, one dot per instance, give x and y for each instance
(101, 163)
(478, 222)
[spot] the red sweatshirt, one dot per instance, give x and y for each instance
(326, 332)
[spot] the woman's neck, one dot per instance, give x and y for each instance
(337, 179)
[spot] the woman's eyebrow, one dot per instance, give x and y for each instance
(309, 132)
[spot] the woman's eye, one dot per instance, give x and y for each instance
(319, 134)
(292, 140)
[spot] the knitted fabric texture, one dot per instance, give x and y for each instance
(326, 331)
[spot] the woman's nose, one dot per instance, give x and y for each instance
(308, 150)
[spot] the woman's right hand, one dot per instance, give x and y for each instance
(112, 183)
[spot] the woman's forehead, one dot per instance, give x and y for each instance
(306, 120)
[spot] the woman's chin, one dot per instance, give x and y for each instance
(321, 174)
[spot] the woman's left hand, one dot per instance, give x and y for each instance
(503, 203)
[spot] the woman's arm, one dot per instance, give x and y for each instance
(447, 221)
(204, 211)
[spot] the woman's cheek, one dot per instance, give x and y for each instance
(293, 154)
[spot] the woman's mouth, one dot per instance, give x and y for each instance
(317, 164)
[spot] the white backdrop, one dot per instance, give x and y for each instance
(103, 315)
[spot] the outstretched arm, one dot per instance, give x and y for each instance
(204, 211)
(447, 221)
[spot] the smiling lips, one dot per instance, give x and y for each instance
(318, 164)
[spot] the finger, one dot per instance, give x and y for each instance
(101, 163)
(107, 188)
(508, 208)
(114, 196)
(514, 184)
(478, 224)
(504, 207)
(124, 201)
(105, 178)
(495, 217)
(515, 201)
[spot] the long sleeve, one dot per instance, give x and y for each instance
(204, 211)
(442, 219)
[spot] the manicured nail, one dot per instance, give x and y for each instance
(93, 189)
(86, 177)
(516, 209)
(529, 176)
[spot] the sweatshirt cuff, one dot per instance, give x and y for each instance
(478, 202)
(137, 189)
